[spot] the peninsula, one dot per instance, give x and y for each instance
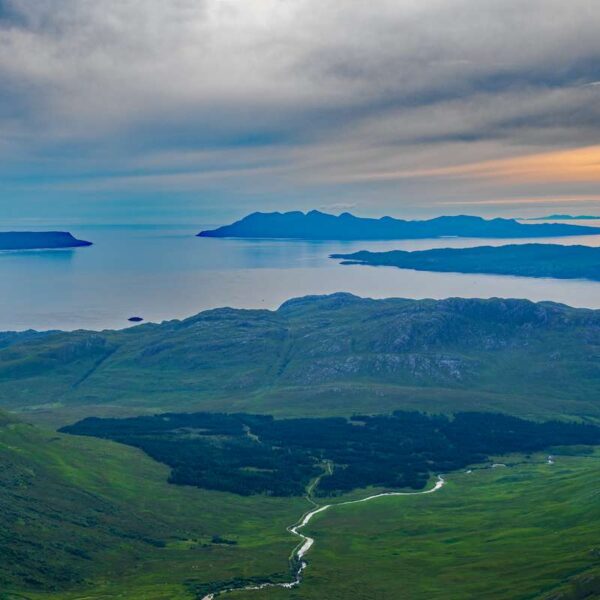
(525, 260)
(39, 240)
(316, 225)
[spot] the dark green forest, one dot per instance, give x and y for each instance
(256, 454)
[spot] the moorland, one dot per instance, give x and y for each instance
(327, 399)
(318, 356)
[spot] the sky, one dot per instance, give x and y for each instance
(204, 110)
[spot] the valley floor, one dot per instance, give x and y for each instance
(522, 532)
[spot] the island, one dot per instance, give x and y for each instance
(316, 225)
(565, 218)
(524, 260)
(39, 240)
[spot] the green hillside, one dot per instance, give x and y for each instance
(86, 518)
(528, 532)
(81, 517)
(319, 356)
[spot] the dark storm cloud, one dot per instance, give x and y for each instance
(9, 16)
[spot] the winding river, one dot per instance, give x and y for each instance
(297, 557)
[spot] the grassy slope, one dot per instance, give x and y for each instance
(65, 499)
(84, 518)
(336, 354)
(528, 532)
(100, 519)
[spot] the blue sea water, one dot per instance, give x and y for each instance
(165, 272)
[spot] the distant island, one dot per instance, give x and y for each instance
(316, 225)
(565, 218)
(38, 240)
(524, 260)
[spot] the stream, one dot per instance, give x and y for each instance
(297, 557)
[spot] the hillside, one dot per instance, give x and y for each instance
(525, 260)
(81, 516)
(8, 338)
(316, 225)
(88, 518)
(528, 532)
(318, 356)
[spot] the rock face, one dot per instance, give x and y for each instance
(39, 240)
(316, 225)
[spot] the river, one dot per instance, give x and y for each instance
(306, 543)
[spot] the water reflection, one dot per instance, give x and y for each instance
(166, 272)
(60, 254)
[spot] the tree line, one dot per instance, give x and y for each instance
(257, 454)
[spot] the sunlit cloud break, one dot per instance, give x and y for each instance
(525, 201)
(575, 165)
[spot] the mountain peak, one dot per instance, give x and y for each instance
(316, 225)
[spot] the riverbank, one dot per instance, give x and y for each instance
(296, 560)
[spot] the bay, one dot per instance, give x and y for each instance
(162, 272)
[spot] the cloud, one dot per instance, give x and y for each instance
(253, 98)
(573, 165)
(338, 207)
(525, 201)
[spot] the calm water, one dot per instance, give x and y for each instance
(165, 272)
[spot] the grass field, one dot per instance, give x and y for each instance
(85, 518)
(82, 518)
(529, 531)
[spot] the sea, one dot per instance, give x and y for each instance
(164, 272)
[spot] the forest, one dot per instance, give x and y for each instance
(257, 454)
